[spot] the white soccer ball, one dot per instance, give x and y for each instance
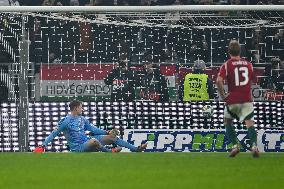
(207, 111)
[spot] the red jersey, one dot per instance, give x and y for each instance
(239, 75)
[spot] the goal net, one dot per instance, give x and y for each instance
(54, 56)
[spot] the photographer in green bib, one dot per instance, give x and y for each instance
(197, 85)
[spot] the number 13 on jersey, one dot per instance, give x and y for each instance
(241, 71)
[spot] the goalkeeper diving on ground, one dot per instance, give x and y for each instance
(74, 126)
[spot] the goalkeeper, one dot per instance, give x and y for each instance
(74, 126)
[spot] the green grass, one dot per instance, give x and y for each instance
(140, 170)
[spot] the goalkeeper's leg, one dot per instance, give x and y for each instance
(111, 139)
(93, 145)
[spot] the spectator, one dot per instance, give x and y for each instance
(122, 3)
(122, 80)
(103, 2)
(192, 2)
(47, 3)
(9, 3)
(56, 2)
(197, 85)
(85, 2)
(30, 2)
(62, 35)
(154, 85)
(269, 77)
(280, 80)
(145, 2)
(14, 3)
(62, 2)
(74, 3)
(4, 3)
(163, 2)
(270, 82)
(85, 45)
(128, 3)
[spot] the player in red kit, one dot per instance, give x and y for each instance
(238, 73)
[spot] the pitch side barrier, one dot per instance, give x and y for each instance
(167, 127)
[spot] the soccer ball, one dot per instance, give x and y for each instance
(207, 111)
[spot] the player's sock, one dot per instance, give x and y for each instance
(252, 135)
(125, 144)
(231, 134)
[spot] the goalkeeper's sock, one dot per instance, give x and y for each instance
(125, 144)
(252, 135)
(231, 134)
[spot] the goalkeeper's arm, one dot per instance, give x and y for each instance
(97, 131)
(40, 149)
(61, 126)
(93, 129)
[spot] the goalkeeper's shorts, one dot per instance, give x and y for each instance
(85, 147)
(81, 147)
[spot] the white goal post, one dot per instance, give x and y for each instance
(173, 8)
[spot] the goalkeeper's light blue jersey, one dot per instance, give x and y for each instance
(73, 128)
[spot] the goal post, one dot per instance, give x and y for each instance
(172, 8)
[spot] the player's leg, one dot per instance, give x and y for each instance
(232, 137)
(110, 139)
(230, 130)
(253, 137)
(229, 116)
(94, 145)
(247, 116)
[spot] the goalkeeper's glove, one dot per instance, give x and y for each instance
(113, 132)
(39, 149)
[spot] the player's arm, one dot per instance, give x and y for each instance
(220, 82)
(93, 129)
(220, 87)
(253, 75)
(61, 126)
(97, 131)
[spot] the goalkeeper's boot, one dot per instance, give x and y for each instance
(235, 150)
(142, 147)
(39, 149)
(116, 149)
(255, 152)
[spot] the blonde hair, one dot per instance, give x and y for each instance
(234, 48)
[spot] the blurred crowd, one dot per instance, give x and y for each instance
(134, 2)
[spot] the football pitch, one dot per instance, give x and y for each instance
(140, 170)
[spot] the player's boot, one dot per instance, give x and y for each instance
(116, 149)
(255, 152)
(39, 149)
(142, 147)
(235, 150)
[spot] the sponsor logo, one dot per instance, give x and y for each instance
(201, 140)
(69, 88)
